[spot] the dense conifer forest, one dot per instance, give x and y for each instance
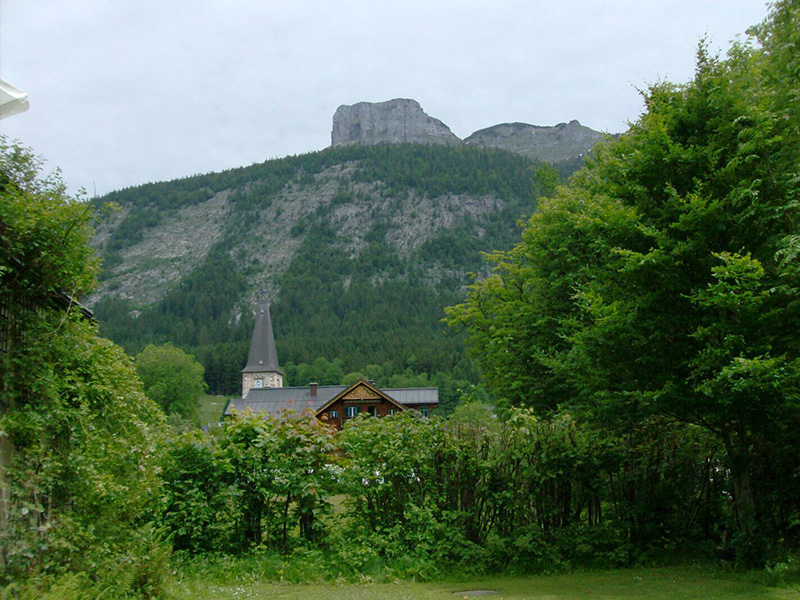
(374, 307)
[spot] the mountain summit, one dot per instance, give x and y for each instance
(402, 121)
(398, 121)
(552, 144)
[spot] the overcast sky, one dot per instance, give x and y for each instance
(124, 92)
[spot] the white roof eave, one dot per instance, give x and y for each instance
(12, 100)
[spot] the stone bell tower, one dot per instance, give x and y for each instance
(262, 368)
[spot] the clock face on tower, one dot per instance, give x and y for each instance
(259, 383)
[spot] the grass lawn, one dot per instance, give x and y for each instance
(211, 408)
(669, 583)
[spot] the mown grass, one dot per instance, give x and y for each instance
(668, 583)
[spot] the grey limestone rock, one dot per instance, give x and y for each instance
(402, 121)
(399, 121)
(560, 142)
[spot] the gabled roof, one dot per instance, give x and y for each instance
(370, 389)
(263, 356)
(273, 400)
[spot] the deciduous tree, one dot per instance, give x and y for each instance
(663, 280)
(171, 378)
(79, 438)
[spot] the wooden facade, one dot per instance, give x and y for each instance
(364, 398)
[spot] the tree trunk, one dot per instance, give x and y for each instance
(740, 462)
(286, 519)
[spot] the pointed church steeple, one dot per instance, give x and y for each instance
(262, 368)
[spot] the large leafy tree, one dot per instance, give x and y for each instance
(172, 378)
(78, 438)
(663, 280)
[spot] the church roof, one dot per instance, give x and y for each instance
(263, 356)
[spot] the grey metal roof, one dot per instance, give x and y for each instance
(263, 356)
(270, 406)
(273, 400)
(412, 396)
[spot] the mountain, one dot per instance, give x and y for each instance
(402, 121)
(398, 121)
(358, 248)
(261, 215)
(560, 142)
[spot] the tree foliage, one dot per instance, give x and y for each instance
(258, 482)
(424, 496)
(44, 239)
(661, 281)
(171, 378)
(78, 438)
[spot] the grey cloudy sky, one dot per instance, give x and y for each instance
(123, 92)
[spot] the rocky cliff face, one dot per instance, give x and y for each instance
(402, 121)
(168, 248)
(398, 121)
(561, 142)
(272, 233)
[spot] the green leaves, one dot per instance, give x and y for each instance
(171, 378)
(661, 282)
(44, 234)
(249, 485)
(79, 440)
(85, 445)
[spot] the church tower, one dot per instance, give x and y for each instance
(262, 368)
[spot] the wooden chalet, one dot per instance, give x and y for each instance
(263, 391)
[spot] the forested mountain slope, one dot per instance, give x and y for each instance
(358, 249)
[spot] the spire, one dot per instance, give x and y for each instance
(263, 357)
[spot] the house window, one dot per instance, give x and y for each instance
(334, 414)
(351, 411)
(423, 410)
(390, 412)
